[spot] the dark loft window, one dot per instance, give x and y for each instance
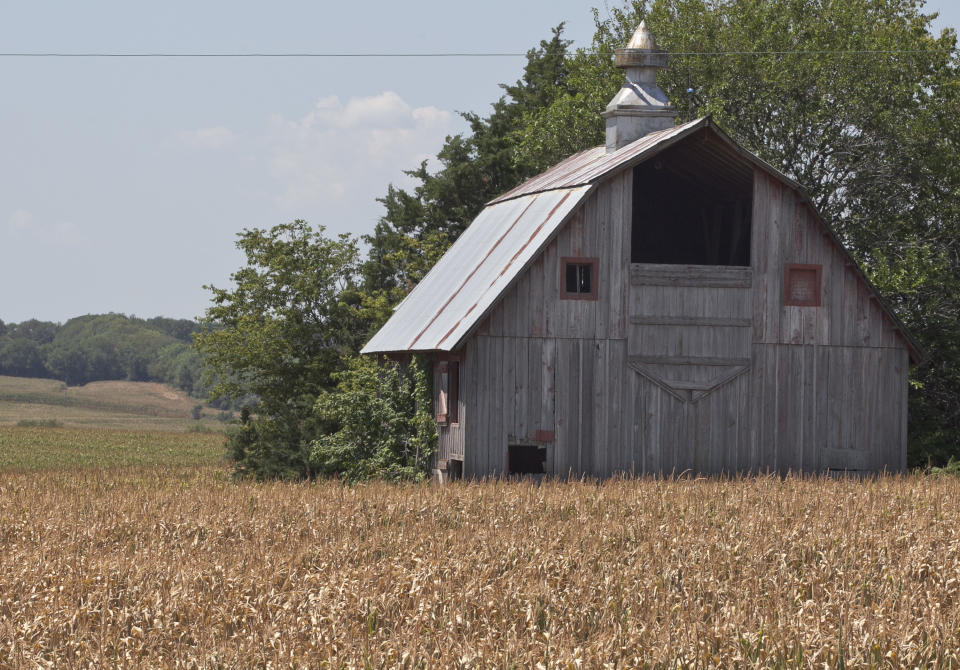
(526, 459)
(801, 285)
(579, 278)
(692, 205)
(448, 391)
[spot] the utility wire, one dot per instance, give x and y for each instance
(81, 54)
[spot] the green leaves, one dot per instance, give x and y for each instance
(384, 425)
(292, 313)
(280, 334)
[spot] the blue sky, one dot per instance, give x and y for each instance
(123, 182)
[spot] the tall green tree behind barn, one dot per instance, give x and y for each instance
(857, 101)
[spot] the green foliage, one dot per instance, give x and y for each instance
(20, 357)
(384, 427)
(98, 347)
(41, 332)
(951, 468)
(872, 136)
(280, 334)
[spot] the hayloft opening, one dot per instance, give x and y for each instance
(526, 459)
(692, 205)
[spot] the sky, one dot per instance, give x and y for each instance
(124, 182)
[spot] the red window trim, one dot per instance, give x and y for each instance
(815, 301)
(594, 264)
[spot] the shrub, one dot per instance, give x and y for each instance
(383, 425)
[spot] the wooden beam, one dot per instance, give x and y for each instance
(690, 321)
(688, 360)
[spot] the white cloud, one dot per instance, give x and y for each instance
(21, 226)
(19, 223)
(347, 152)
(216, 137)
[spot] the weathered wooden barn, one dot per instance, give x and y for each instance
(668, 302)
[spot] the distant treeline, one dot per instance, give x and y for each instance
(100, 347)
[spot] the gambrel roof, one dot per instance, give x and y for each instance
(468, 281)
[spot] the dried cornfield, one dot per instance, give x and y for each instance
(183, 568)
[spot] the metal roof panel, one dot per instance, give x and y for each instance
(467, 281)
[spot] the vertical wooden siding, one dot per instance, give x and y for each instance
(825, 386)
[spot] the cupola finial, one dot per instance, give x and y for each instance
(639, 107)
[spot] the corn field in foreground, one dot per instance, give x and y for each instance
(182, 568)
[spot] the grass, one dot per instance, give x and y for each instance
(164, 567)
(140, 406)
(38, 447)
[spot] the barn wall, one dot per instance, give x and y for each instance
(838, 400)
(599, 229)
(848, 315)
(617, 382)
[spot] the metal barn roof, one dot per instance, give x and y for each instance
(590, 165)
(467, 281)
(509, 233)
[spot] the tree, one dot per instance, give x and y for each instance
(41, 332)
(382, 419)
(280, 333)
(857, 101)
(20, 357)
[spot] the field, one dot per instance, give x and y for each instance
(138, 406)
(44, 448)
(125, 542)
(181, 567)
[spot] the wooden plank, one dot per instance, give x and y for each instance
(758, 254)
(656, 274)
(689, 360)
(845, 459)
(767, 460)
(502, 382)
(533, 285)
(822, 402)
(548, 362)
(601, 447)
(680, 320)
(564, 417)
(808, 460)
(774, 251)
(901, 372)
(599, 247)
(522, 422)
(679, 282)
(624, 234)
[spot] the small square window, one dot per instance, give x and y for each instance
(579, 280)
(801, 285)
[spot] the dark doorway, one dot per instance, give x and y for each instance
(692, 205)
(526, 459)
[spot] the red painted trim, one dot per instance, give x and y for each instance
(594, 264)
(815, 301)
(544, 435)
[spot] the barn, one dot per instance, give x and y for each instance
(665, 303)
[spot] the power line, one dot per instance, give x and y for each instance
(161, 54)
(255, 55)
